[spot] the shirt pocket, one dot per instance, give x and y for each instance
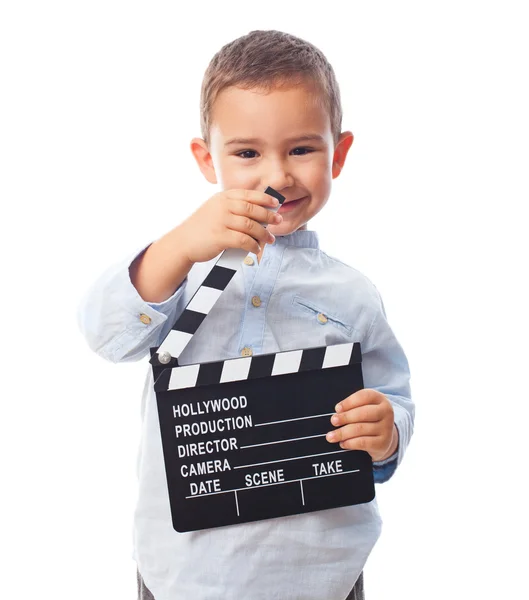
(293, 324)
(320, 316)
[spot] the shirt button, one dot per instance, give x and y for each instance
(246, 351)
(322, 318)
(248, 261)
(145, 319)
(256, 301)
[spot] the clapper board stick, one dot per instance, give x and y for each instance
(203, 300)
(244, 439)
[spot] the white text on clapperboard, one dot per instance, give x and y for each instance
(222, 426)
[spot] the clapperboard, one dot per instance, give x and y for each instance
(244, 439)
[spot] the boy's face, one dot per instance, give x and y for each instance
(281, 139)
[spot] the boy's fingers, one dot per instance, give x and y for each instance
(368, 412)
(353, 430)
(238, 239)
(253, 196)
(249, 227)
(360, 398)
(367, 444)
(257, 213)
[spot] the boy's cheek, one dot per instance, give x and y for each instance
(314, 176)
(240, 178)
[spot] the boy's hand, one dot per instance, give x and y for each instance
(365, 422)
(229, 219)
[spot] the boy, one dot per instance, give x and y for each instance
(271, 116)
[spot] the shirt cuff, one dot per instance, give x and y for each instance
(384, 469)
(147, 321)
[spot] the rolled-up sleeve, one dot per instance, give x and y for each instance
(385, 369)
(117, 323)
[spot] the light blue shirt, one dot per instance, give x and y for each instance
(314, 556)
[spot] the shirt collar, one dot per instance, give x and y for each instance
(301, 238)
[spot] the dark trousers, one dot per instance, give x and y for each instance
(357, 593)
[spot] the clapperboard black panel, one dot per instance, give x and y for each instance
(244, 439)
(255, 448)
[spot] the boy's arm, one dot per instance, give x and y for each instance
(385, 369)
(161, 268)
(117, 323)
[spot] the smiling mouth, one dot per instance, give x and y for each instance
(291, 204)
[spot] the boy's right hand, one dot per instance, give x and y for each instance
(229, 219)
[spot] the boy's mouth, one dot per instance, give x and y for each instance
(291, 204)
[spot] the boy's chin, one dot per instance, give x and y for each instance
(286, 228)
(280, 231)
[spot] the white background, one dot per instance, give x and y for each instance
(99, 101)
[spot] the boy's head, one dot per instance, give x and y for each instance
(271, 115)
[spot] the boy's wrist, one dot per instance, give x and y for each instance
(394, 444)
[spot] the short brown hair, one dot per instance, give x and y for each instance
(266, 59)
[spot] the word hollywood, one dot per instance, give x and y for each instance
(207, 406)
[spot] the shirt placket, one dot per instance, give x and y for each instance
(259, 281)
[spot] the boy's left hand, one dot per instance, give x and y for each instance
(365, 421)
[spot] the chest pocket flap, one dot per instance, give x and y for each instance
(318, 312)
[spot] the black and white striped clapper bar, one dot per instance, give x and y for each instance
(244, 439)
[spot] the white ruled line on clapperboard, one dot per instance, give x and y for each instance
(246, 489)
(282, 460)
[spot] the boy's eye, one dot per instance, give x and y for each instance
(247, 154)
(301, 150)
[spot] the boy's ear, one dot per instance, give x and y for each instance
(340, 152)
(204, 160)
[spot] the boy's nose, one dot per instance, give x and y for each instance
(278, 178)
